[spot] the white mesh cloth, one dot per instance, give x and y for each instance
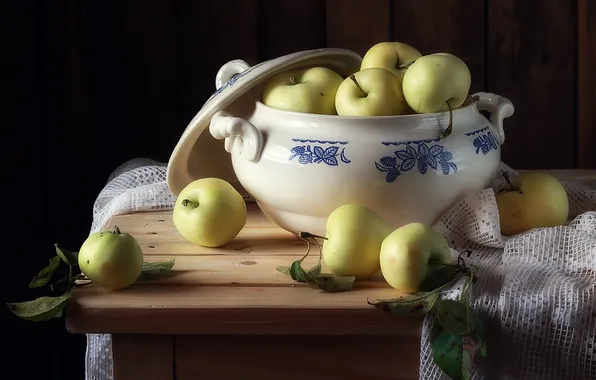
(536, 291)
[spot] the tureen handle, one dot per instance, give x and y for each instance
(235, 129)
(499, 108)
(228, 71)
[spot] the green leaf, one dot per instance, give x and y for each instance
(162, 266)
(69, 257)
(297, 272)
(455, 317)
(316, 270)
(46, 273)
(333, 284)
(283, 269)
(447, 351)
(440, 276)
(416, 304)
(41, 309)
(156, 269)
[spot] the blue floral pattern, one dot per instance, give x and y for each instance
(423, 157)
(316, 154)
(485, 143)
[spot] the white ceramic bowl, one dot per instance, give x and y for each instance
(299, 167)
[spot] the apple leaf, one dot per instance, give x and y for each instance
(455, 317)
(46, 274)
(283, 269)
(333, 284)
(69, 257)
(41, 309)
(156, 269)
(439, 277)
(416, 304)
(447, 351)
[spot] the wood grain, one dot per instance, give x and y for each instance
(297, 358)
(531, 61)
(357, 25)
(147, 357)
(289, 26)
(586, 84)
(453, 26)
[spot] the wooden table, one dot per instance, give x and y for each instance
(226, 313)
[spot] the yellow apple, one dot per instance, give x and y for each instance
(209, 212)
(533, 200)
(406, 252)
(390, 56)
(435, 80)
(354, 236)
(310, 90)
(370, 92)
(112, 259)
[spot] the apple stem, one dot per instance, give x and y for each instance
(306, 235)
(405, 65)
(508, 180)
(117, 230)
(449, 128)
(190, 204)
(353, 78)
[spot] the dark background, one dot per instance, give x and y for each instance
(90, 84)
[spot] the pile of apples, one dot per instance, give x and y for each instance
(394, 79)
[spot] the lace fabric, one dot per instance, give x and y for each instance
(535, 291)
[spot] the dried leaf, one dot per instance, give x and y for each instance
(69, 257)
(447, 351)
(440, 276)
(416, 304)
(41, 309)
(283, 269)
(46, 273)
(333, 284)
(455, 317)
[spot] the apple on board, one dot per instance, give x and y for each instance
(533, 200)
(353, 241)
(309, 90)
(370, 92)
(393, 56)
(406, 252)
(209, 212)
(112, 259)
(434, 80)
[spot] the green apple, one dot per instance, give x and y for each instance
(112, 259)
(353, 240)
(406, 252)
(533, 200)
(370, 92)
(393, 56)
(434, 80)
(209, 212)
(310, 90)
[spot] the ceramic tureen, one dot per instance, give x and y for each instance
(299, 167)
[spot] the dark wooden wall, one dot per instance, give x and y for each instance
(90, 84)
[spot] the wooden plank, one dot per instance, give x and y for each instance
(210, 34)
(356, 25)
(286, 27)
(586, 82)
(297, 358)
(451, 26)
(531, 60)
(228, 310)
(147, 357)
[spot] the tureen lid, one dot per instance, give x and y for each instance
(197, 154)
